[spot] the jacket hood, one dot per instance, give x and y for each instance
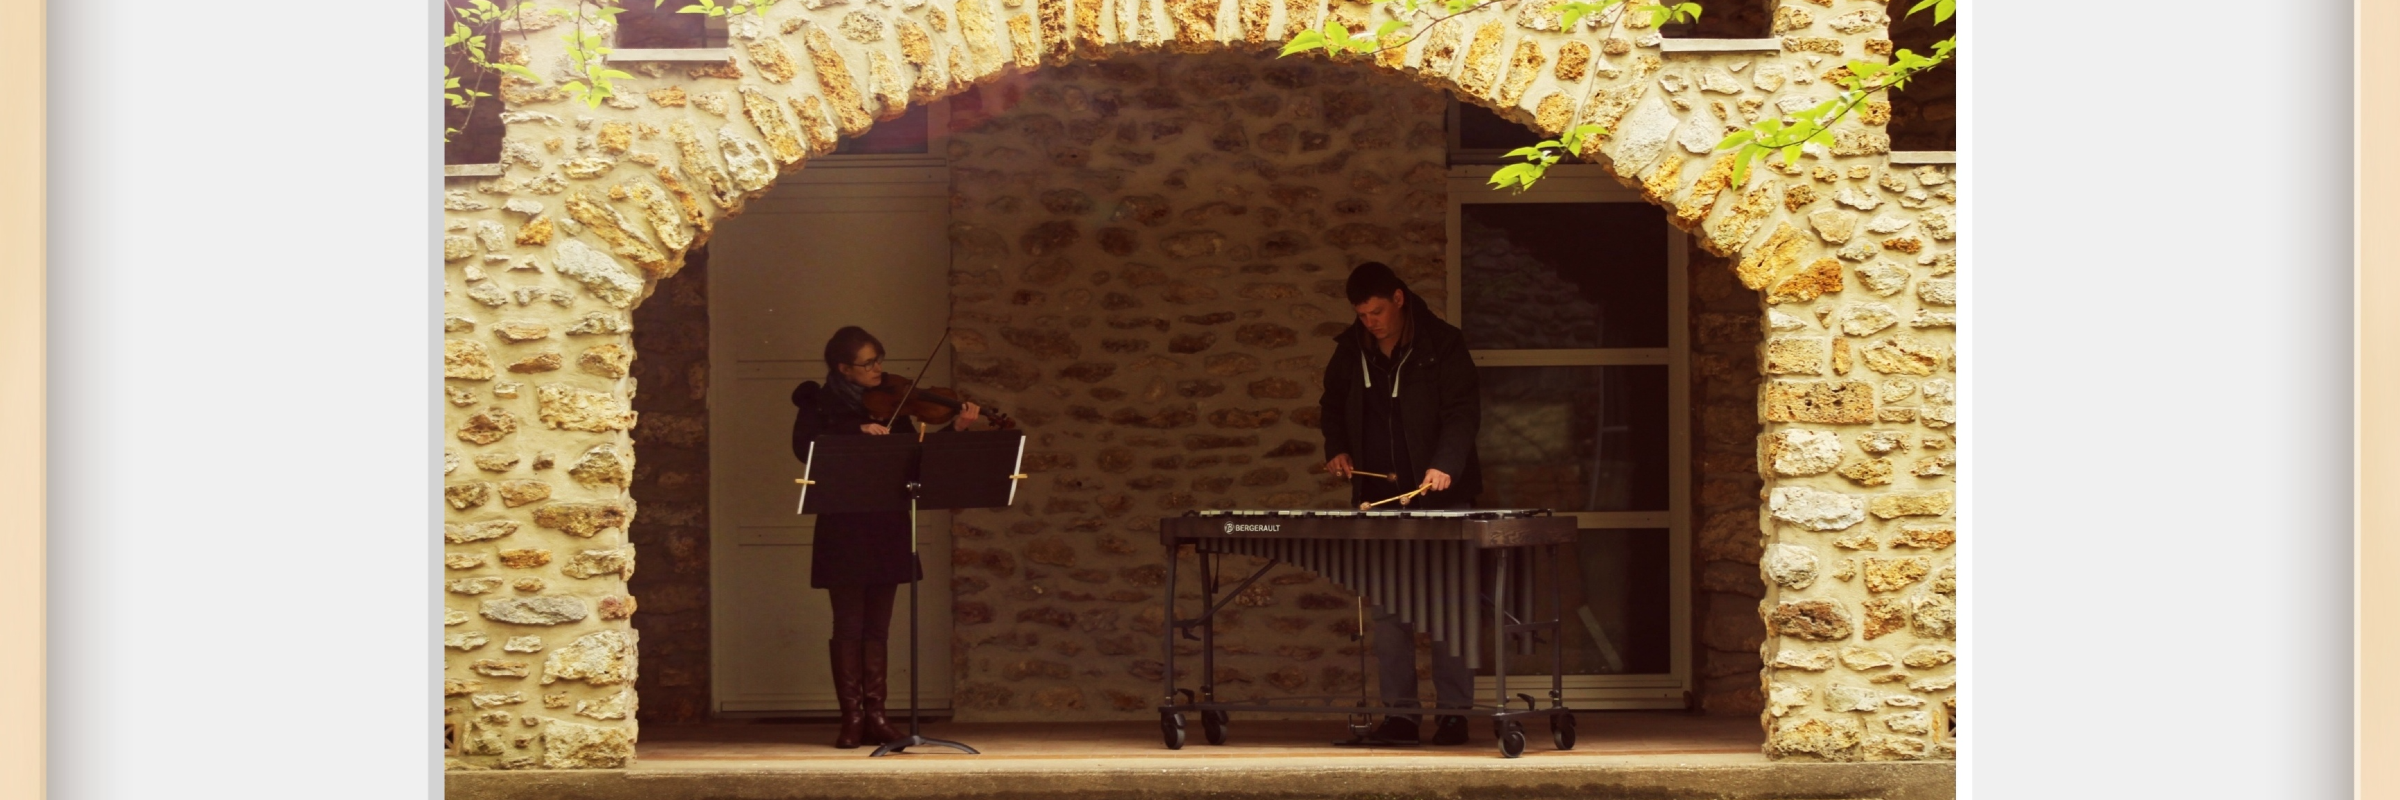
(1429, 328)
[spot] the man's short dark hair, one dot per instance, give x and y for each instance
(1371, 280)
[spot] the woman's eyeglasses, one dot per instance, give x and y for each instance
(869, 363)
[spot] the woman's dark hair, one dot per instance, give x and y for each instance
(845, 343)
(1372, 280)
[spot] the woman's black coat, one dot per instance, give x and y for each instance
(851, 549)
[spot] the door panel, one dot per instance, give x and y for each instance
(830, 247)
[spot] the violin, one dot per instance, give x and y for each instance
(932, 405)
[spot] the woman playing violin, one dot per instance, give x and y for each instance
(860, 559)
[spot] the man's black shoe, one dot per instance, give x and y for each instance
(1396, 730)
(1449, 730)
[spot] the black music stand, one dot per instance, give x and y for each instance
(951, 471)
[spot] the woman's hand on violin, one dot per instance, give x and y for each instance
(968, 413)
(875, 429)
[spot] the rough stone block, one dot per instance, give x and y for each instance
(1833, 402)
(1814, 620)
(535, 610)
(1794, 355)
(1815, 509)
(1911, 504)
(1789, 566)
(1835, 739)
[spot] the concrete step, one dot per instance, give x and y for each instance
(1635, 756)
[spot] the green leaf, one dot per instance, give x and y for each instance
(1580, 137)
(1515, 175)
(1338, 36)
(1689, 8)
(1791, 155)
(1736, 139)
(1302, 42)
(613, 74)
(1741, 163)
(1386, 28)
(1920, 6)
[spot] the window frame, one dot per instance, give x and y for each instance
(937, 146)
(1591, 183)
(713, 29)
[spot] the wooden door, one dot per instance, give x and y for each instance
(831, 246)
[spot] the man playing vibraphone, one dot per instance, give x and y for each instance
(1400, 412)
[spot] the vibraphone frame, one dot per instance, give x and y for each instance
(1501, 533)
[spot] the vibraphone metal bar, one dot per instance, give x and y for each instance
(1425, 566)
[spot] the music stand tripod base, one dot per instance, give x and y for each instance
(951, 471)
(915, 738)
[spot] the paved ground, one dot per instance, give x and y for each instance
(1597, 734)
(1649, 756)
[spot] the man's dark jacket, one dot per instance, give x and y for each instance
(1439, 407)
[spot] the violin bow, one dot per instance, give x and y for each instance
(912, 383)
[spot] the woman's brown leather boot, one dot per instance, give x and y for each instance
(878, 730)
(847, 667)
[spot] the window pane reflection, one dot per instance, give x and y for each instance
(1563, 275)
(907, 135)
(1614, 607)
(1574, 438)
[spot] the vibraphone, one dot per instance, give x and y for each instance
(1448, 573)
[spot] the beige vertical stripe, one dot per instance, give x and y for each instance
(2378, 363)
(21, 387)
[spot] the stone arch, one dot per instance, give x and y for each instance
(544, 264)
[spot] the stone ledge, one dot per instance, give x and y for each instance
(1750, 777)
(712, 55)
(1923, 157)
(473, 170)
(1720, 45)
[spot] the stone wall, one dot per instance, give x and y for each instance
(1724, 336)
(1148, 256)
(1860, 402)
(597, 205)
(671, 480)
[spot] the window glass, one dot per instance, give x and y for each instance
(650, 25)
(472, 132)
(1613, 606)
(1563, 275)
(1481, 128)
(908, 135)
(1574, 438)
(1924, 115)
(1740, 19)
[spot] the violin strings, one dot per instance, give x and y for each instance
(912, 384)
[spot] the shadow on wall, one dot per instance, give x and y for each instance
(670, 481)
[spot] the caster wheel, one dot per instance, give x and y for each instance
(1212, 725)
(1170, 727)
(1562, 731)
(1512, 741)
